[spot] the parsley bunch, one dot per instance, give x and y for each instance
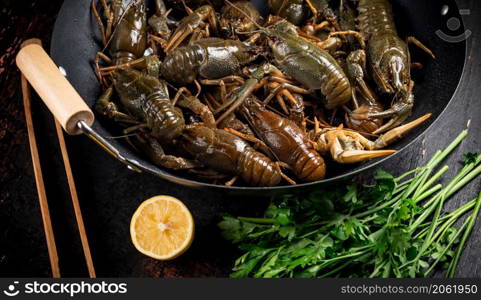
(397, 227)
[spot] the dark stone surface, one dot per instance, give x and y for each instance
(109, 195)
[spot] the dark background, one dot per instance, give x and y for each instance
(109, 195)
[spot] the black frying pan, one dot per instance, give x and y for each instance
(75, 42)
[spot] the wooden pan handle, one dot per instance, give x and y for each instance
(58, 94)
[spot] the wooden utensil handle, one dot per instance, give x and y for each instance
(58, 94)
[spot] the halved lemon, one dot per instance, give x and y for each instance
(162, 228)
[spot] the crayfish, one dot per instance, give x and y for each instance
(215, 90)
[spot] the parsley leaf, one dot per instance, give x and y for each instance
(470, 158)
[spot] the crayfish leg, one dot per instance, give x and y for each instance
(283, 175)
(190, 24)
(106, 107)
(257, 143)
(99, 20)
(199, 108)
(359, 36)
(154, 151)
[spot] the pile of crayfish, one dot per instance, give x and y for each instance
(214, 89)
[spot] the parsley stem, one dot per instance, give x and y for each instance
(377, 269)
(435, 156)
(465, 180)
(434, 161)
(437, 213)
(443, 228)
(261, 233)
(376, 209)
(428, 193)
(414, 185)
(407, 174)
(265, 221)
(438, 158)
(460, 210)
(467, 233)
(379, 207)
(354, 254)
(336, 270)
(448, 219)
(411, 184)
(429, 238)
(448, 246)
(461, 179)
(422, 182)
(402, 186)
(431, 181)
(428, 210)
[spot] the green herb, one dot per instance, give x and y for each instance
(470, 158)
(397, 227)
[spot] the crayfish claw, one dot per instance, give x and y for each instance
(355, 156)
(396, 133)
